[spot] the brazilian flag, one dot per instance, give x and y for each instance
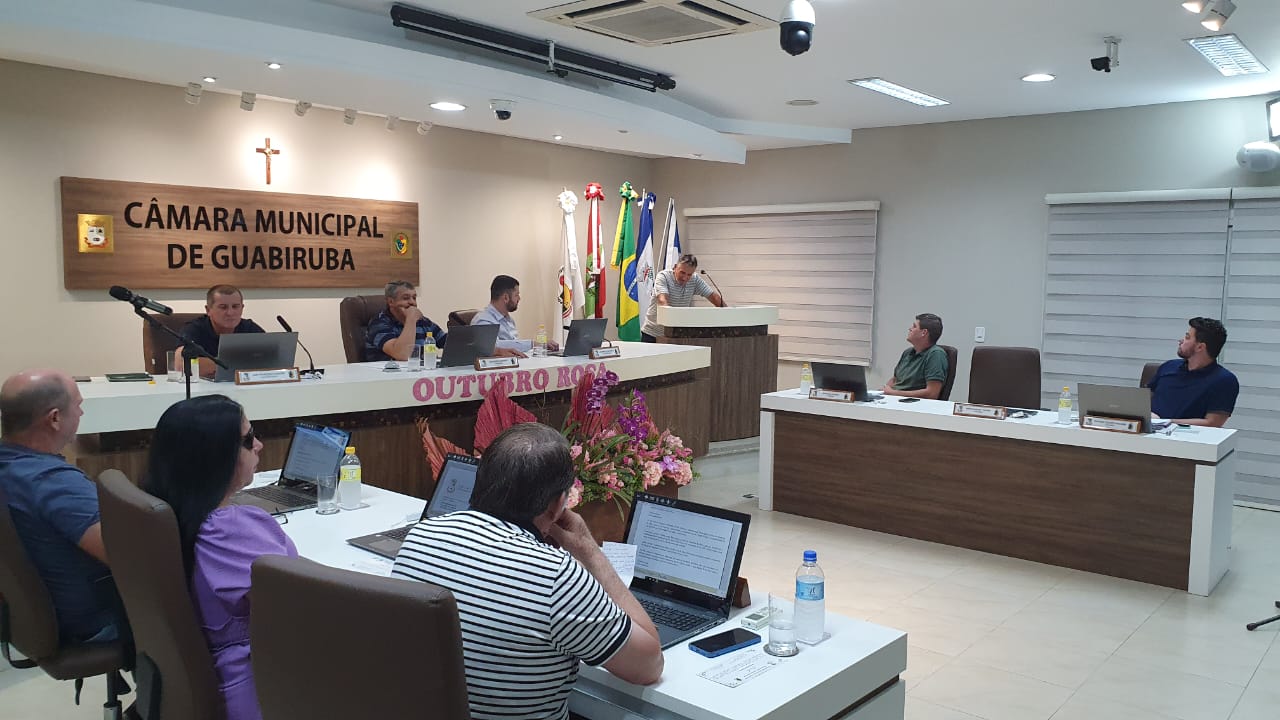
(627, 317)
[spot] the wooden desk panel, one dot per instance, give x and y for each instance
(1100, 511)
(742, 369)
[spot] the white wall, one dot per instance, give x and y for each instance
(487, 204)
(963, 221)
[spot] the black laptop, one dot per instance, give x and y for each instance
(687, 561)
(255, 351)
(584, 335)
(465, 343)
(315, 450)
(452, 493)
(838, 376)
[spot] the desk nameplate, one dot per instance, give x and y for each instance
(605, 352)
(836, 395)
(990, 412)
(267, 377)
(497, 363)
(1111, 424)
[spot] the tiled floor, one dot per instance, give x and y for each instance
(990, 637)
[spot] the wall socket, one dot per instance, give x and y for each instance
(979, 334)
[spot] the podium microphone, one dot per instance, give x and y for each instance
(138, 301)
(313, 372)
(714, 285)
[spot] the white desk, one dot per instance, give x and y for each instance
(860, 662)
(1180, 485)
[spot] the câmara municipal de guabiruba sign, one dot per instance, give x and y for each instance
(146, 235)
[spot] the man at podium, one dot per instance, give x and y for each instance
(676, 288)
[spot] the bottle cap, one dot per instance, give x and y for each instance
(351, 449)
(811, 556)
(1066, 389)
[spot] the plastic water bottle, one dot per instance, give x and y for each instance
(349, 480)
(429, 352)
(540, 341)
(1064, 407)
(806, 378)
(811, 603)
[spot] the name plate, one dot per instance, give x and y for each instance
(1111, 424)
(837, 395)
(497, 363)
(991, 412)
(604, 352)
(266, 377)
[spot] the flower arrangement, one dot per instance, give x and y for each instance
(619, 452)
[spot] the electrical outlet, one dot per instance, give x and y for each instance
(979, 334)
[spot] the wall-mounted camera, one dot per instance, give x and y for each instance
(1111, 60)
(502, 109)
(796, 27)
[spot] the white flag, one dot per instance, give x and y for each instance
(572, 293)
(646, 273)
(670, 238)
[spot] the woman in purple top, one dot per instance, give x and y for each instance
(204, 451)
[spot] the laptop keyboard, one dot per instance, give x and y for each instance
(399, 533)
(669, 616)
(276, 494)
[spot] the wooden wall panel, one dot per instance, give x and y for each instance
(742, 369)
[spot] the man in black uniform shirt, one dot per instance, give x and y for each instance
(224, 304)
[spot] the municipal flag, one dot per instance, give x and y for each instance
(670, 238)
(595, 296)
(572, 294)
(645, 268)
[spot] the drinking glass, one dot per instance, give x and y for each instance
(782, 628)
(173, 364)
(327, 494)
(414, 363)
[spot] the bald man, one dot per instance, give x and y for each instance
(53, 504)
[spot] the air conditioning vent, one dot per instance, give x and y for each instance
(655, 22)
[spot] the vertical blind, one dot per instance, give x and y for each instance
(816, 263)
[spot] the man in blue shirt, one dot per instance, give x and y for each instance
(1195, 389)
(504, 299)
(53, 504)
(393, 332)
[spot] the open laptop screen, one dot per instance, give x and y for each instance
(684, 547)
(453, 489)
(315, 451)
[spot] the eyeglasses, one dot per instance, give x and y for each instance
(249, 437)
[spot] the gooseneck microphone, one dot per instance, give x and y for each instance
(138, 301)
(285, 325)
(714, 285)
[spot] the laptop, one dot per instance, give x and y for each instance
(584, 336)
(315, 450)
(838, 376)
(1118, 401)
(255, 351)
(452, 493)
(687, 561)
(465, 343)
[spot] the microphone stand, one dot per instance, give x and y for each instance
(190, 348)
(723, 302)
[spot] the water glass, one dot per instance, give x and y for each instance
(414, 363)
(327, 494)
(782, 627)
(173, 364)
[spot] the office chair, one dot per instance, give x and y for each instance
(1148, 372)
(1260, 623)
(1005, 376)
(403, 652)
(156, 343)
(29, 624)
(354, 314)
(176, 676)
(953, 359)
(461, 317)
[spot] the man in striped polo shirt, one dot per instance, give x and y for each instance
(676, 287)
(530, 611)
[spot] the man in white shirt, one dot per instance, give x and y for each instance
(504, 299)
(676, 288)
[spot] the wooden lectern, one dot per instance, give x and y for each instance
(744, 360)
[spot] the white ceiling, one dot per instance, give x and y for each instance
(731, 91)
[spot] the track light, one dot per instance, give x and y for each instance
(247, 99)
(349, 116)
(193, 93)
(1216, 14)
(392, 122)
(1194, 6)
(424, 127)
(301, 107)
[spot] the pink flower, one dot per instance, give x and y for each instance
(684, 473)
(574, 451)
(575, 494)
(652, 474)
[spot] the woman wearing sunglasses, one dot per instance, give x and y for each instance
(203, 451)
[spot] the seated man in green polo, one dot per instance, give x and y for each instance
(922, 369)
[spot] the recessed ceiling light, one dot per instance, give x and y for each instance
(1228, 55)
(445, 106)
(895, 90)
(210, 79)
(557, 137)
(273, 65)
(802, 103)
(1038, 77)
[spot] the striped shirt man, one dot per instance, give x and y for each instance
(678, 295)
(529, 612)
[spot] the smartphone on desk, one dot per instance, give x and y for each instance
(908, 399)
(725, 642)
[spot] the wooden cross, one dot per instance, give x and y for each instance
(267, 152)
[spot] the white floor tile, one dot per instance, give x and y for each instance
(1261, 700)
(1229, 654)
(1021, 654)
(1084, 707)
(940, 633)
(1160, 690)
(918, 709)
(991, 694)
(921, 664)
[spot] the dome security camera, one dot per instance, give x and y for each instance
(502, 109)
(796, 27)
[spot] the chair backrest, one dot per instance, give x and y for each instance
(33, 625)
(953, 358)
(156, 343)
(461, 317)
(397, 641)
(354, 314)
(1148, 372)
(1005, 376)
(141, 536)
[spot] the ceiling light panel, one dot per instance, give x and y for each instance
(894, 90)
(1228, 55)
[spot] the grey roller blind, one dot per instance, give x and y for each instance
(817, 267)
(1122, 278)
(1253, 344)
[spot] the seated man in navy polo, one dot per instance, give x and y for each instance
(54, 506)
(922, 370)
(223, 308)
(393, 332)
(1195, 389)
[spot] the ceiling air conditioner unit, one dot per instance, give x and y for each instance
(655, 22)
